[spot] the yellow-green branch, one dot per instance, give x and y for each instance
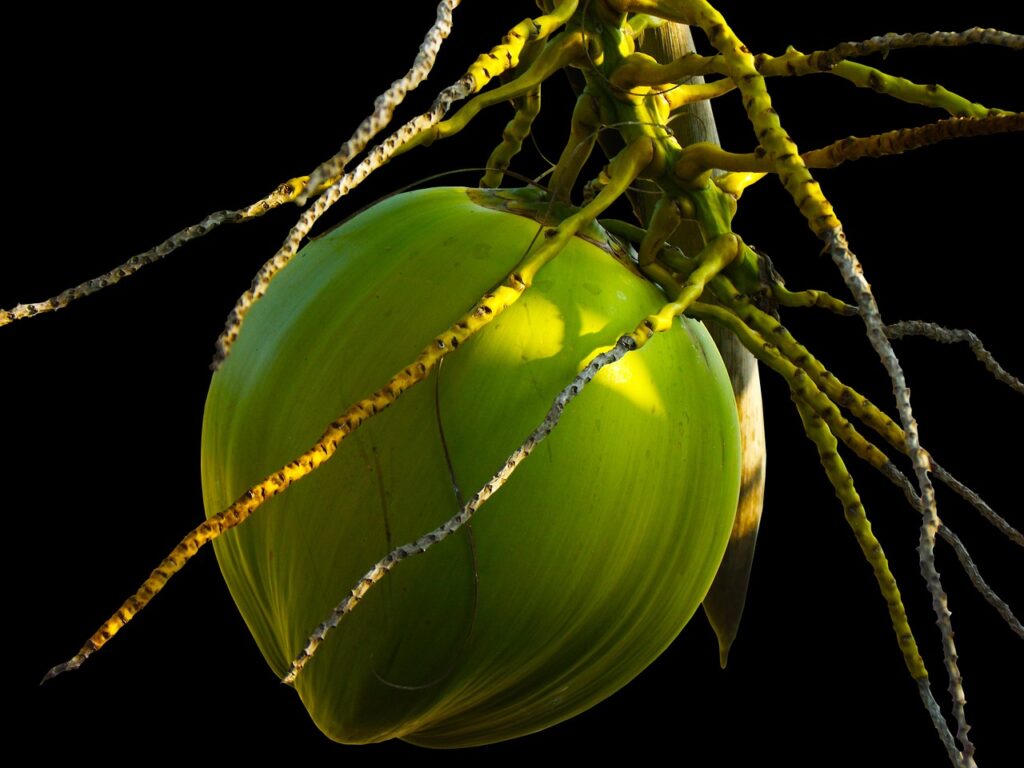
(518, 128)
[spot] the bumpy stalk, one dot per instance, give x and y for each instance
(894, 41)
(284, 193)
(385, 105)
(819, 433)
(518, 128)
(936, 332)
(841, 481)
(853, 275)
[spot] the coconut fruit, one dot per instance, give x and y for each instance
(572, 578)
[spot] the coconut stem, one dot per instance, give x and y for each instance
(727, 596)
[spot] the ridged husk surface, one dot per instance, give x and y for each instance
(571, 580)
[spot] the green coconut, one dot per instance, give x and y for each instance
(571, 579)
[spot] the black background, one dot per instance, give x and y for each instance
(133, 135)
